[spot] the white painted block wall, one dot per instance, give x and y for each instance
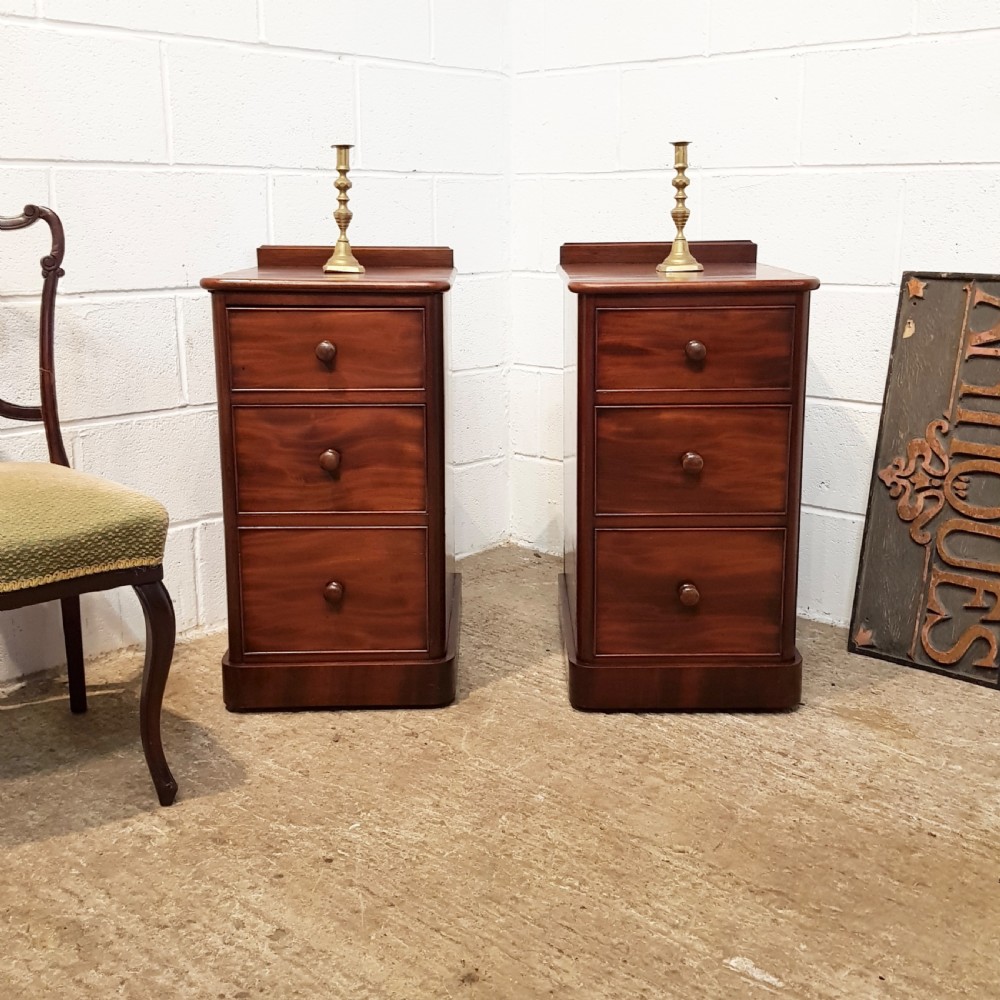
(173, 139)
(850, 140)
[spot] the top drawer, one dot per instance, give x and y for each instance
(731, 347)
(291, 348)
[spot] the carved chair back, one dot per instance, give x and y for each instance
(48, 411)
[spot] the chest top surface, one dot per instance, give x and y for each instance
(414, 270)
(630, 268)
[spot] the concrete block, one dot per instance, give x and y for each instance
(147, 229)
(21, 8)
(537, 503)
(470, 33)
(839, 448)
(850, 336)
(61, 103)
(95, 343)
(195, 317)
(478, 409)
(551, 211)
(178, 578)
(536, 424)
(523, 412)
(526, 26)
(575, 33)
(527, 226)
(255, 107)
(537, 320)
(18, 444)
(550, 415)
(481, 506)
(235, 19)
(752, 104)
(956, 15)
(480, 321)
(173, 457)
(473, 218)
(31, 639)
(19, 349)
(829, 549)
(567, 122)
(210, 566)
(802, 221)
(388, 211)
(946, 225)
(900, 104)
(424, 120)
(20, 252)
(741, 27)
(384, 28)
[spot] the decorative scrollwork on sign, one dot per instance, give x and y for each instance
(917, 482)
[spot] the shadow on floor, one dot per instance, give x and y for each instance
(62, 773)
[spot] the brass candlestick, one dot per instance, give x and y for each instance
(343, 259)
(680, 257)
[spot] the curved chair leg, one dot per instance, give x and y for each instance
(73, 637)
(160, 633)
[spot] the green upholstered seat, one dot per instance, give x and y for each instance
(60, 524)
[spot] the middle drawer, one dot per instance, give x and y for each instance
(691, 459)
(330, 458)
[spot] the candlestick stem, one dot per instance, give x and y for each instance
(343, 259)
(680, 257)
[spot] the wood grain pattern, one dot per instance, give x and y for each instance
(744, 348)
(737, 458)
(685, 436)
(738, 575)
(409, 257)
(381, 463)
(332, 431)
(375, 348)
(285, 571)
(706, 251)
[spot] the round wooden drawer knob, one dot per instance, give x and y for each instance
(695, 350)
(692, 462)
(329, 461)
(688, 593)
(333, 592)
(326, 352)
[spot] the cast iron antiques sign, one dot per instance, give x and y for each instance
(928, 590)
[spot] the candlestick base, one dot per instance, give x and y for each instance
(343, 261)
(680, 258)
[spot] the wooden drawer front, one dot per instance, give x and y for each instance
(374, 348)
(285, 572)
(744, 348)
(375, 455)
(737, 575)
(736, 458)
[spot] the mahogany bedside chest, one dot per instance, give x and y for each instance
(339, 555)
(684, 406)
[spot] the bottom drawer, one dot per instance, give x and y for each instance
(688, 591)
(377, 601)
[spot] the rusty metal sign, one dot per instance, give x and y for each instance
(928, 592)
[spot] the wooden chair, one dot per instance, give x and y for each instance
(65, 533)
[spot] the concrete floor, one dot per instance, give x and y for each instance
(507, 846)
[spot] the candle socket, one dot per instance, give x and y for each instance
(343, 261)
(680, 257)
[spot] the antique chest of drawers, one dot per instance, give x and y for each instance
(684, 407)
(339, 554)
